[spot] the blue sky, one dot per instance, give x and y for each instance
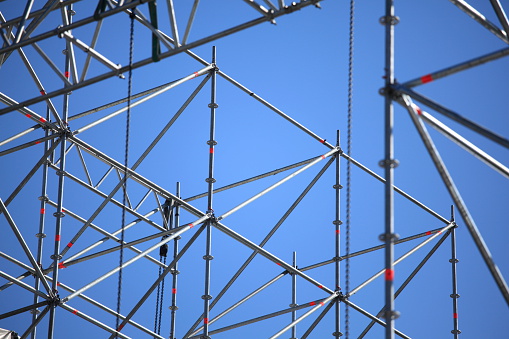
(300, 66)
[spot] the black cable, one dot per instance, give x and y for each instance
(126, 164)
(348, 164)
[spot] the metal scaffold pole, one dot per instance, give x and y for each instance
(454, 260)
(389, 20)
(337, 238)
(210, 180)
(175, 272)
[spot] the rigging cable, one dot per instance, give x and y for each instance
(348, 164)
(126, 163)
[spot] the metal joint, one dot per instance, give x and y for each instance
(212, 142)
(455, 296)
(174, 271)
(392, 237)
(43, 198)
(390, 19)
(41, 235)
(35, 311)
(337, 187)
(455, 331)
(59, 214)
(337, 222)
(204, 337)
(454, 261)
(177, 238)
(71, 11)
(293, 305)
(208, 257)
(210, 180)
(393, 163)
(337, 334)
(58, 256)
(173, 308)
(59, 172)
(337, 259)
(394, 314)
(206, 297)
(213, 105)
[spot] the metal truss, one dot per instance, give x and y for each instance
(87, 195)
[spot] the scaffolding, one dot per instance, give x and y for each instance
(266, 185)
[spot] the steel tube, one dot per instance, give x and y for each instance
(32, 328)
(458, 201)
(400, 259)
(173, 307)
(455, 116)
(135, 258)
(266, 239)
(160, 278)
(501, 15)
(456, 68)
(226, 214)
(474, 14)
(28, 144)
(26, 249)
(372, 317)
(269, 255)
(464, 143)
(318, 319)
(305, 315)
(190, 21)
(407, 280)
(242, 182)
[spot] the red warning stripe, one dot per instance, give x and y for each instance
(418, 109)
(338, 231)
(323, 156)
(43, 210)
(57, 237)
(312, 303)
(75, 312)
(320, 286)
(61, 265)
(455, 315)
(42, 120)
(66, 74)
(174, 291)
(428, 233)
(191, 225)
(196, 74)
(42, 92)
(426, 78)
(322, 141)
(28, 115)
(389, 274)
(37, 142)
(70, 244)
(211, 150)
(120, 328)
(205, 320)
(322, 303)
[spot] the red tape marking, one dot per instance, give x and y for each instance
(191, 225)
(389, 274)
(323, 156)
(61, 265)
(320, 286)
(428, 233)
(312, 303)
(278, 264)
(419, 111)
(338, 231)
(322, 141)
(211, 150)
(174, 290)
(43, 211)
(322, 303)
(75, 312)
(196, 74)
(37, 142)
(70, 244)
(455, 315)
(57, 237)
(42, 120)
(58, 283)
(120, 328)
(427, 78)
(42, 92)
(66, 74)
(28, 115)
(205, 320)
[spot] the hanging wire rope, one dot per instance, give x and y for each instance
(126, 163)
(348, 164)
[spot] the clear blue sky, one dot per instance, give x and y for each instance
(299, 65)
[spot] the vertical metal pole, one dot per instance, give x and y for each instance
(59, 214)
(208, 257)
(294, 297)
(337, 223)
(175, 271)
(454, 294)
(389, 20)
(42, 217)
